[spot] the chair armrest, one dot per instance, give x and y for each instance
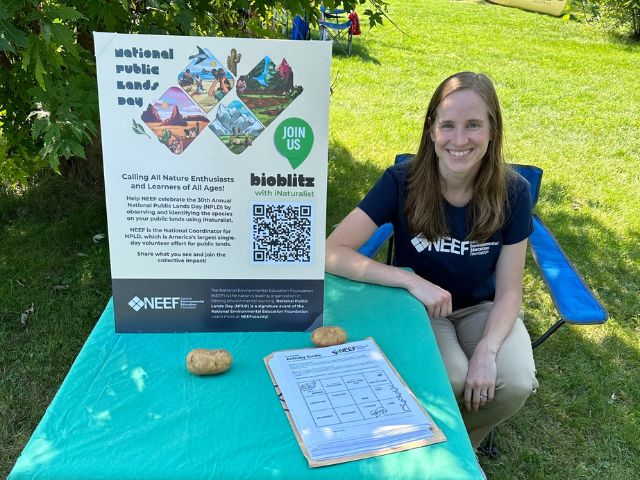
(572, 297)
(336, 26)
(376, 240)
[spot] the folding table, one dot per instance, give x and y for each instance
(129, 409)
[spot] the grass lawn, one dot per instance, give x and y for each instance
(48, 259)
(570, 105)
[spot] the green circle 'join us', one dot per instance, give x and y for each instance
(294, 139)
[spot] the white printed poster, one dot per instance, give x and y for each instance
(215, 164)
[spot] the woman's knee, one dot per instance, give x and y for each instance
(455, 361)
(516, 368)
(514, 393)
(457, 374)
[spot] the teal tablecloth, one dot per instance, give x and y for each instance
(129, 409)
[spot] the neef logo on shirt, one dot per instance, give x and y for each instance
(452, 245)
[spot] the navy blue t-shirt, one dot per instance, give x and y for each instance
(465, 269)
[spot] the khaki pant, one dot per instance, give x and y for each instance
(457, 337)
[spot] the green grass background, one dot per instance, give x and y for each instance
(570, 103)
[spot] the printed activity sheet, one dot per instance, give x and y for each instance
(348, 400)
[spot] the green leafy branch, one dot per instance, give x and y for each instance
(139, 129)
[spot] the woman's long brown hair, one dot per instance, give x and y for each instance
(424, 205)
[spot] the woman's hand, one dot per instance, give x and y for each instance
(436, 299)
(481, 375)
(480, 384)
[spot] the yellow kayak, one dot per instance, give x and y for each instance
(550, 7)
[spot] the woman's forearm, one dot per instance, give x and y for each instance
(346, 262)
(508, 297)
(500, 321)
(342, 258)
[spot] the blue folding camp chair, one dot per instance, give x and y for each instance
(575, 302)
(336, 26)
(573, 299)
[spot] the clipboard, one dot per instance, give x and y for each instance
(437, 435)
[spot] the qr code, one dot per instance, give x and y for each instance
(281, 232)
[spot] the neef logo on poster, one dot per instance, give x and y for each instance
(154, 303)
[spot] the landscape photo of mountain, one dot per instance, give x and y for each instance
(268, 89)
(236, 126)
(175, 119)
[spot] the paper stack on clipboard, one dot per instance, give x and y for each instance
(347, 402)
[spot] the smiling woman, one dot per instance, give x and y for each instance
(461, 220)
(464, 114)
(460, 135)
